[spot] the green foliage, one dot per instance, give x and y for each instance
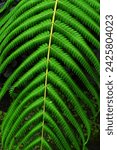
(55, 89)
(1, 119)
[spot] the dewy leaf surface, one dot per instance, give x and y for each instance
(54, 86)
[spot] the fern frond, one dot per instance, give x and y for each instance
(65, 17)
(54, 91)
(80, 15)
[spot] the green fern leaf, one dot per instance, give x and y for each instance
(54, 91)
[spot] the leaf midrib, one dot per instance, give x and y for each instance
(46, 75)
